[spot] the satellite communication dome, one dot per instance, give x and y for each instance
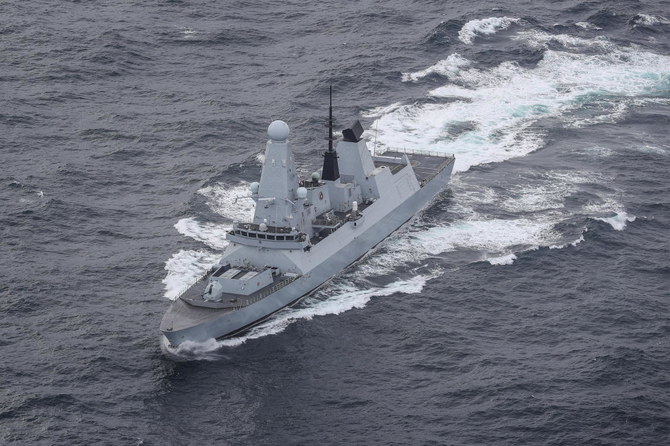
(302, 193)
(278, 131)
(316, 176)
(254, 187)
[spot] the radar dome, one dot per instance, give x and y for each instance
(278, 131)
(302, 193)
(254, 187)
(316, 176)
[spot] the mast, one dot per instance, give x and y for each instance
(330, 170)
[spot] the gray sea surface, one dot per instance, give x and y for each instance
(529, 304)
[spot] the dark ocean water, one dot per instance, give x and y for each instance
(529, 304)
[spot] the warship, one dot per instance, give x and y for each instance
(305, 231)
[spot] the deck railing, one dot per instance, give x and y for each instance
(194, 281)
(418, 152)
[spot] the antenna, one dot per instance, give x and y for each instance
(330, 121)
(330, 169)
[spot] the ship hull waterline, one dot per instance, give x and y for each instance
(207, 324)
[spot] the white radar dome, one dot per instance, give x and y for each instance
(302, 193)
(316, 176)
(254, 187)
(278, 131)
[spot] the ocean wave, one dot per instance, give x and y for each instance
(619, 221)
(649, 20)
(575, 242)
(487, 26)
(447, 67)
(502, 260)
(587, 25)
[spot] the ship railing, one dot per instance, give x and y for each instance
(418, 152)
(194, 281)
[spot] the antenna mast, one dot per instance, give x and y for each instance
(330, 121)
(330, 170)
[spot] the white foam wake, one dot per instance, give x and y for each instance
(533, 209)
(184, 268)
(541, 39)
(232, 202)
(487, 26)
(489, 114)
(334, 299)
(210, 234)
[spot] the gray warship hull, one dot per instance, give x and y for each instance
(186, 322)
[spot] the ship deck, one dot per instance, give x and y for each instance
(425, 164)
(231, 301)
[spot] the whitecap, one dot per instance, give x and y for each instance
(650, 149)
(487, 26)
(650, 20)
(446, 67)
(587, 25)
(575, 242)
(618, 221)
(502, 260)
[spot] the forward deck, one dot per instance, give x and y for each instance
(194, 295)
